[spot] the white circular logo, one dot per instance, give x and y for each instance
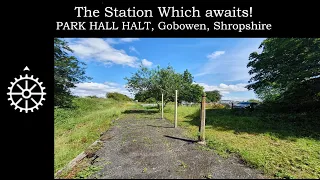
(26, 93)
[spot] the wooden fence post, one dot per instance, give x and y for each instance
(162, 107)
(203, 121)
(176, 110)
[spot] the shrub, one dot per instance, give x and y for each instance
(227, 106)
(118, 96)
(215, 106)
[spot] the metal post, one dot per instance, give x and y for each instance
(162, 107)
(203, 120)
(176, 110)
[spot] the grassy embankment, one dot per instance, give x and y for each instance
(279, 148)
(76, 129)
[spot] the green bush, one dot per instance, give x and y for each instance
(118, 96)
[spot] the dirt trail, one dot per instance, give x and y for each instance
(145, 147)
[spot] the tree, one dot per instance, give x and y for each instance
(188, 91)
(67, 72)
(213, 96)
(187, 77)
(284, 68)
(191, 93)
(141, 96)
(269, 93)
(152, 83)
(93, 96)
(166, 81)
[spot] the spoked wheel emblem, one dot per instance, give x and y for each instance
(26, 93)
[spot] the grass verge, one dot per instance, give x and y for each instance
(278, 148)
(77, 128)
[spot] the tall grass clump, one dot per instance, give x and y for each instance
(78, 127)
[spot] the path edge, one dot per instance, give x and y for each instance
(80, 157)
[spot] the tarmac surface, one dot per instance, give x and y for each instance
(142, 146)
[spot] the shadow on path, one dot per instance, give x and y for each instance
(141, 111)
(181, 139)
(159, 126)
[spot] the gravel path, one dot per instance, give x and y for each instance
(141, 146)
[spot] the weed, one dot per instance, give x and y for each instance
(208, 176)
(204, 148)
(147, 140)
(83, 174)
(108, 162)
(182, 164)
(144, 170)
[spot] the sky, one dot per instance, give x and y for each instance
(216, 63)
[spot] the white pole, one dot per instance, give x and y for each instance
(176, 110)
(162, 108)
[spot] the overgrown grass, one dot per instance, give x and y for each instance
(280, 149)
(77, 128)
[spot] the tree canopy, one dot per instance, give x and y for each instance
(213, 96)
(151, 83)
(287, 71)
(67, 72)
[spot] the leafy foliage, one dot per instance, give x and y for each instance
(253, 101)
(151, 83)
(118, 96)
(67, 72)
(85, 173)
(141, 96)
(151, 100)
(189, 92)
(286, 73)
(213, 96)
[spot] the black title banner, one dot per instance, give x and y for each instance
(211, 19)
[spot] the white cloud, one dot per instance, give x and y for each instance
(224, 88)
(233, 65)
(227, 91)
(132, 49)
(111, 41)
(97, 49)
(111, 84)
(101, 50)
(121, 40)
(98, 89)
(215, 54)
(128, 39)
(146, 63)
